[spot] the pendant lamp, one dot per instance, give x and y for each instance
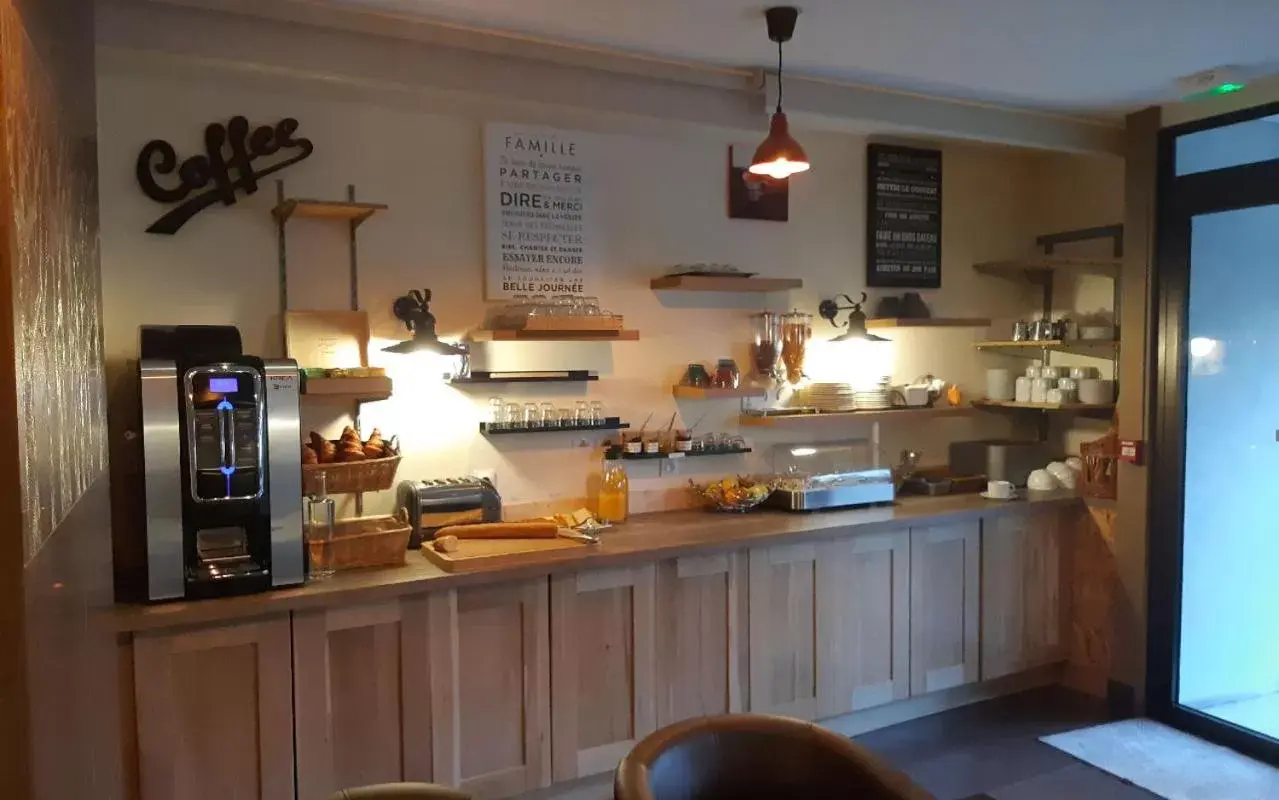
(779, 156)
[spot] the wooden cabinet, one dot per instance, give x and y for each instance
(490, 688)
(829, 625)
(1023, 614)
(783, 630)
(361, 696)
(863, 622)
(215, 712)
(944, 613)
(701, 641)
(603, 666)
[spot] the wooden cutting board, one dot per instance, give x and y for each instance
(483, 554)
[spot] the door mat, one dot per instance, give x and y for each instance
(1172, 764)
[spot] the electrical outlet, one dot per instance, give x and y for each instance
(668, 466)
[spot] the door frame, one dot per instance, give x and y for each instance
(1178, 200)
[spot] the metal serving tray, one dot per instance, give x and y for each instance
(861, 488)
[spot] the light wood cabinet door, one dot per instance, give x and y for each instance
(944, 615)
(863, 622)
(783, 630)
(1023, 614)
(215, 712)
(701, 641)
(490, 688)
(361, 697)
(603, 665)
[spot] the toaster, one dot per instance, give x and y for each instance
(437, 503)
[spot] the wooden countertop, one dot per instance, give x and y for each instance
(648, 537)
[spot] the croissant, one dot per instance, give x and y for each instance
(309, 455)
(354, 453)
(350, 434)
(375, 447)
(327, 453)
(317, 442)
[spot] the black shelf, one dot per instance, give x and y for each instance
(559, 376)
(690, 454)
(609, 424)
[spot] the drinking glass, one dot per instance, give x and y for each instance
(514, 419)
(566, 418)
(591, 306)
(532, 416)
(497, 412)
(582, 412)
(597, 412)
(321, 516)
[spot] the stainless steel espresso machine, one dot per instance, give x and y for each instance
(223, 479)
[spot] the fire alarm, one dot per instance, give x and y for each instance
(1132, 451)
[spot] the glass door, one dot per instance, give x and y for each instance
(1214, 503)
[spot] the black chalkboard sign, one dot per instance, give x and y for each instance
(903, 217)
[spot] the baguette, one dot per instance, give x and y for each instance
(502, 530)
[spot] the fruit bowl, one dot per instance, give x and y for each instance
(735, 495)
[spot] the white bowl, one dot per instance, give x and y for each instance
(1075, 463)
(1041, 480)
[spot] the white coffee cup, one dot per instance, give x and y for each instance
(1054, 396)
(1000, 490)
(1079, 373)
(999, 384)
(1034, 371)
(1021, 391)
(1096, 391)
(1039, 389)
(1050, 372)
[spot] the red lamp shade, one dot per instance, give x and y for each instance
(779, 156)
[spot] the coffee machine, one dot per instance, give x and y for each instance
(223, 479)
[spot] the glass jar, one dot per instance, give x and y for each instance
(766, 349)
(613, 503)
(727, 375)
(797, 329)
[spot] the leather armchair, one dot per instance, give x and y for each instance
(401, 791)
(747, 756)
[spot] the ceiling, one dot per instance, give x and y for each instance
(1077, 56)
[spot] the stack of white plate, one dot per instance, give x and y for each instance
(871, 400)
(827, 396)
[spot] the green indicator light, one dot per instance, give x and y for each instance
(1226, 88)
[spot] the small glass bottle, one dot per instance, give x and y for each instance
(613, 503)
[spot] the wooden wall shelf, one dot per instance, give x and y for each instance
(554, 336)
(361, 389)
(486, 378)
(1039, 267)
(326, 209)
(848, 416)
(609, 424)
(905, 322)
(691, 454)
(1057, 408)
(708, 283)
(711, 393)
(1097, 348)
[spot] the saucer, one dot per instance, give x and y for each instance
(988, 496)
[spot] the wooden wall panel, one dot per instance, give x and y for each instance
(944, 614)
(701, 636)
(603, 666)
(361, 696)
(490, 688)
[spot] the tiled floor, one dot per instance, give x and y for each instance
(1261, 714)
(993, 748)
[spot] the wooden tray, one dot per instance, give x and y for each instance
(483, 554)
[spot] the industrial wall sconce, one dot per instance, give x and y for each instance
(856, 323)
(413, 309)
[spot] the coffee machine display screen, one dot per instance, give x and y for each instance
(224, 415)
(224, 385)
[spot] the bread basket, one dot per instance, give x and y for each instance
(350, 477)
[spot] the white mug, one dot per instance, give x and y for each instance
(1034, 371)
(1050, 372)
(1096, 391)
(1079, 373)
(1000, 490)
(999, 384)
(1039, 389)
(1054, 396)
(1021, 392)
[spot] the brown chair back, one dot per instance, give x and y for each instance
(749, 756)
(401, 791)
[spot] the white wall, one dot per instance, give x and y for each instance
(664, 202)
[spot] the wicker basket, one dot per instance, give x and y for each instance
(362, 542)
(1100, 477)
(350, 477)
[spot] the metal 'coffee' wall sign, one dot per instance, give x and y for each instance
(903, 217)
(227, 163)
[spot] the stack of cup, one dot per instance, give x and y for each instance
(1042, 380)
(999, 385)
